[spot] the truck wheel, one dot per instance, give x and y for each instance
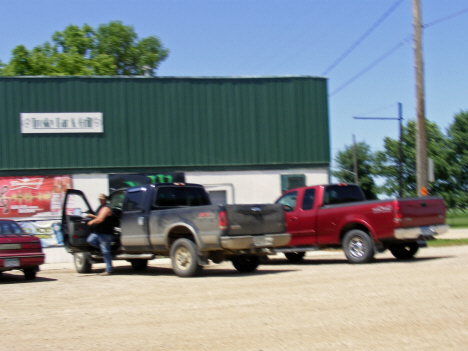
(30, 273)
(245, 264)
(358, 246)
(82, 263)
(184, 257)
(139, 265)
(294, 256)
(404, 251)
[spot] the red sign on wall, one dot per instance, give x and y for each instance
(22, 197)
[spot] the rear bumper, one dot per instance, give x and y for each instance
(255, 241)
(24, 261)
(420, 232)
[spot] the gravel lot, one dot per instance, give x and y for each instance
(322, 304)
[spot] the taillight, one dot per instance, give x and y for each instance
(222, 220)
(397, 216)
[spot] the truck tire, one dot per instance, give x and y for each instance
(82, 263)
(245, 264)
(358, 246)
(294, 256)
(184, 257)
(139, 265)
(30, 273)
(404, 251)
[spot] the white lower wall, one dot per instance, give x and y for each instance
(247, 187)
(92, 185)
(240, 186)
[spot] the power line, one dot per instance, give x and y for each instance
(392, 50)
(364, 36)
(443, 19)
(372, 65)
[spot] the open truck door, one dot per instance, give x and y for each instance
(74, 221)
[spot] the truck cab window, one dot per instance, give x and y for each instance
(134, 201)
(116, 199)
(308, 201)
(197, 197)
(180, 196)
(340, 194)
(288, 200)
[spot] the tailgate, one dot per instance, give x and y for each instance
(255, 219)
(421, 211)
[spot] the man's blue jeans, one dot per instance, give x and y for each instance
(103, 242)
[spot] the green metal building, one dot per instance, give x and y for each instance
(245, 139)
(168, 123)
(259, 132)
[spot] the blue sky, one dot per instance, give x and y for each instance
(287, 37)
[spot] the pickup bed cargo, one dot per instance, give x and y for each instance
(179, 221)
(338, 215)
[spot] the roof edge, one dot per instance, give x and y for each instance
(167, 77)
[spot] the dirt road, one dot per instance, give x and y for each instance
(322, 304)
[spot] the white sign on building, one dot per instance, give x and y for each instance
(66, 122)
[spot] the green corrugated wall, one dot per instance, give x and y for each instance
(168, 123)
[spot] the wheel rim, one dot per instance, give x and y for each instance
(183, 258)
(357, 247)
(79, 259)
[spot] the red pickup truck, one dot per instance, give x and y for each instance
(338, 215)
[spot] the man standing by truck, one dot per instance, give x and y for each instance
(103, 232)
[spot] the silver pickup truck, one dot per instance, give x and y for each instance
(179, 221)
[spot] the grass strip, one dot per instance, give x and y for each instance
(447, 242)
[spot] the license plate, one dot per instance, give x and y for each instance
(11, 262)
(262, 241)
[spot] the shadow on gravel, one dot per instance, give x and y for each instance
(207, 272)
(415, 260)
(332, 261)
(8, 278)
(232, 273)
(128, 271)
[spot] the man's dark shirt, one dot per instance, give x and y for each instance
(107, 226)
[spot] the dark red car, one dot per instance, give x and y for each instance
(19, 250)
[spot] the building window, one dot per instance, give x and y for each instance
(291, 181)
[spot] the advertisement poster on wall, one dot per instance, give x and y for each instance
(35, 202)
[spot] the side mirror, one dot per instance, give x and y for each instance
(77, 212)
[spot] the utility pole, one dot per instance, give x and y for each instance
(400, 156)
(356, 178)
(400, 151)
(421, 138)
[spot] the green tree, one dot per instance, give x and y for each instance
(458, 159)
(365, 159)
(387, 162)
(112, 49)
